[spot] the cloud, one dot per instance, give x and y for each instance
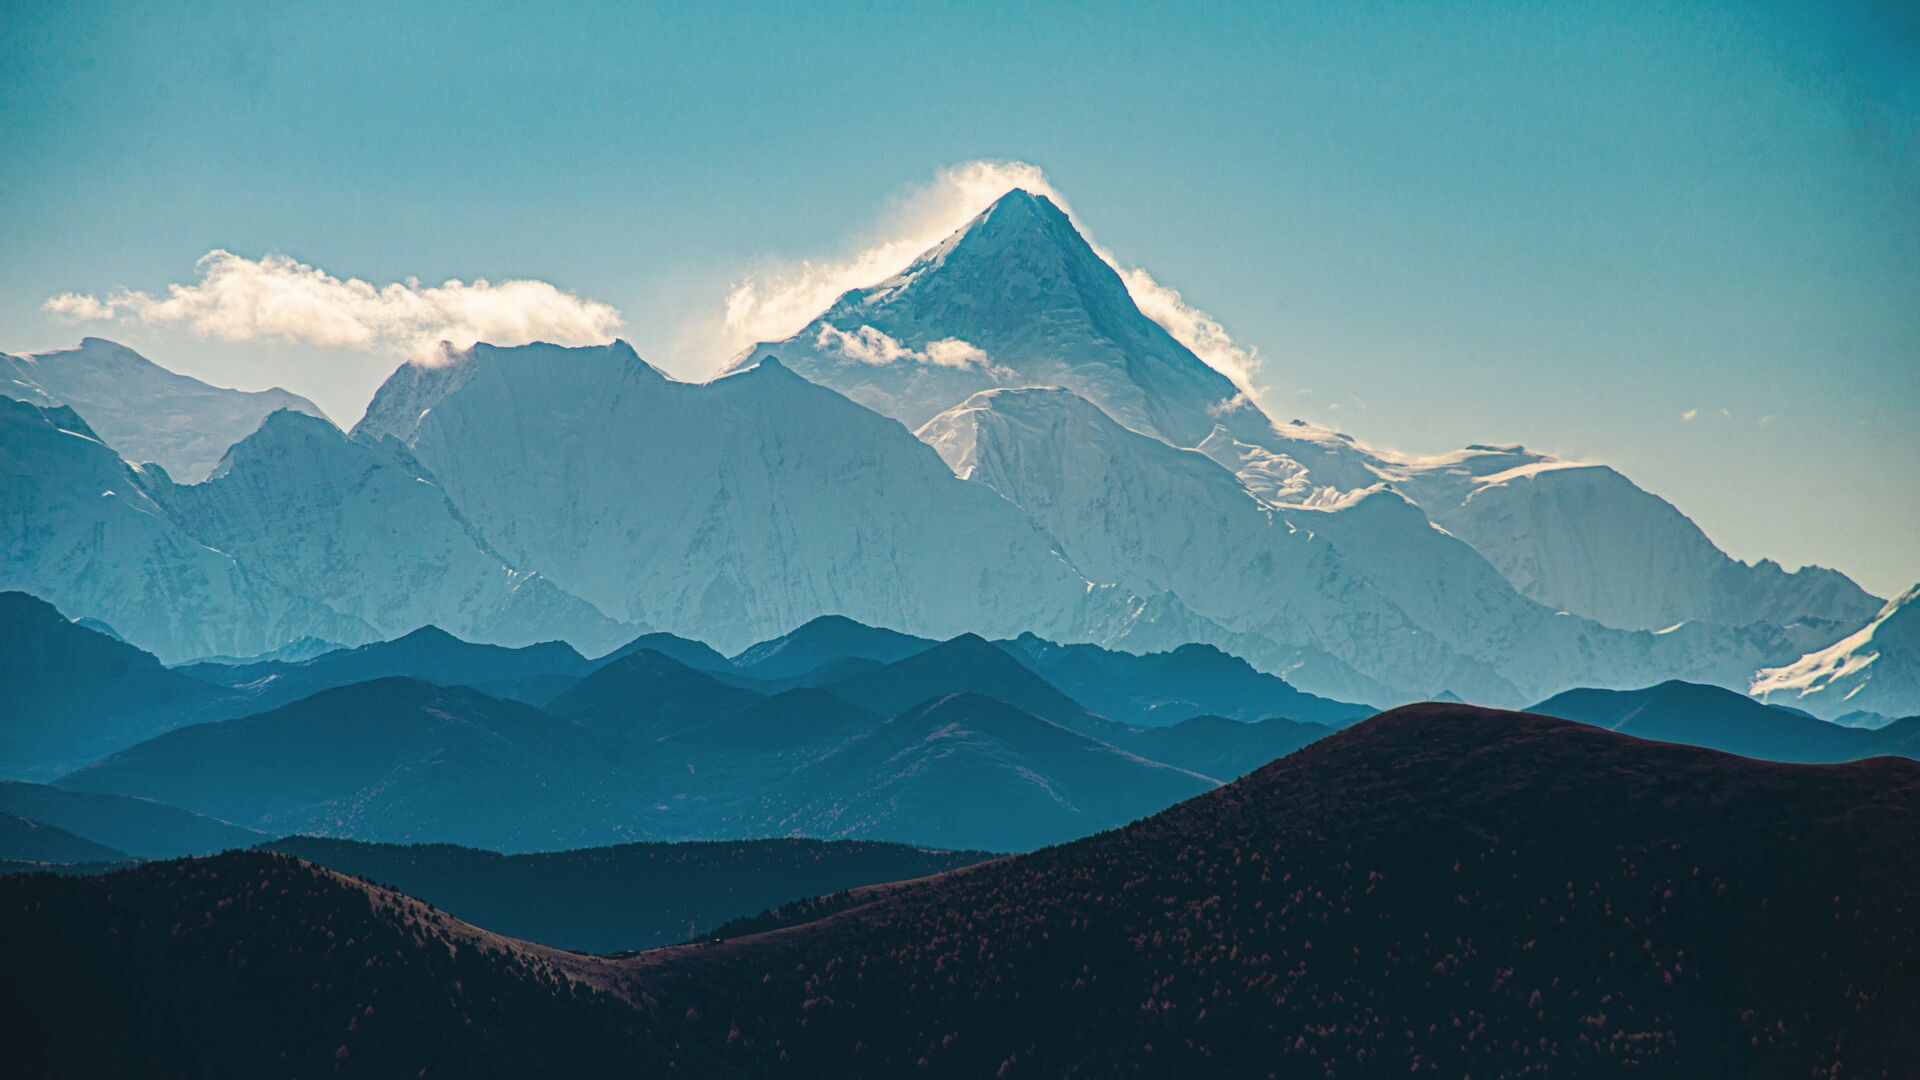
(78, 307)
(870, 346)
(278, 298)
(778, 300)
(1689, 416)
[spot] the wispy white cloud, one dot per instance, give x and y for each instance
(870, 346)
(1690, 416)
(278, 298)
(779, 299)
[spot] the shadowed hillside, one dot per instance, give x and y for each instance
(634, 896)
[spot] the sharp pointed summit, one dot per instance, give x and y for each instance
(1016, 297)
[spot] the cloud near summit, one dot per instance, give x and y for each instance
(778, 300)
(278, 298)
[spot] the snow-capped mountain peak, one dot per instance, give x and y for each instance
(1016, 297)
(142, 410)
(1875, 668)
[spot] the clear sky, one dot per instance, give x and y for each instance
(1682, 239)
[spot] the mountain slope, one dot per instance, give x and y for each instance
(71, 695)
(966, 771)
(395, 760)
(81, 528)
(1568, 535)
(730, 511)
(647, 696)
(253, 964)
(967, 665)
(1876, 669)
(363, 529)
(141, 828)
(635, 896)
(1225, 749)
(1569, 896)
(142, 410)
(1164, 688)
(1014, 298)
(22, 840)
(1721, 719)
(1365, 578)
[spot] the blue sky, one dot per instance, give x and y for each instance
(1568, 226)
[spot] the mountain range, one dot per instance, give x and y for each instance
(995, 440)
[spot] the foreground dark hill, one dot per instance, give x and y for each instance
(1720, 719)
(70, 694)
(1440, 891)
(634, 896)
(254, 964)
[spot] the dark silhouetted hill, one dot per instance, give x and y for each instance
(629, 897)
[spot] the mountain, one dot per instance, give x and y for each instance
(697, 655)
(142, 410)
(1017, 298)
(395, 760)
(634, 896)
(967, 665)
(647, 696)
(1875, 669)
(140, 828)
(1037, 307)
(1224, 749)
(255, 964)
(1568, 535)
(968, 771)
(729, 511)
(429, 654)
(829, 639)
(27, 841)
(1567, 895)
(1365, 578)
(84, 531)
(362, 528)
(1365, 893)
(1720, 719)
(1164, 688)
(71, 695)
